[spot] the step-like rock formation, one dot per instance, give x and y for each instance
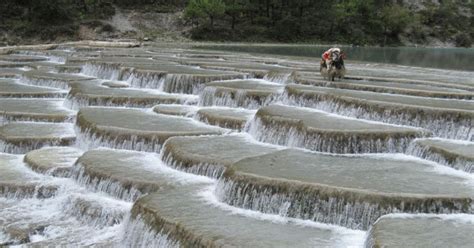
(16, 182)
(99, 214)
(165, 76)
(116, 84)
(86, 94)
(351, 191)
(22, 137)
(124, 174)
(178, 79)
(12, 88)
(191, 217)
(11, 72)
(451, 78)
(274, 73)
(233, 118)
(403, 230)
(56, 161)
(321, 131)
(393, 86)
(66, 218)
(210, 155)
(111, 68)
(182, 147)
(251, 93)
(444, 117)
(68, 69)
(175, 109)
(7, 64)
(133, 129)
(19, 109)
(21, 58)
(454, 153)
(55, 80)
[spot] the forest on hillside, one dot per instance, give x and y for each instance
(358, 22)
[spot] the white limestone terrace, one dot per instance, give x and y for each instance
(34, 109)
(14, 182)
(393, 86)
(53, 160)
(14, 88)
(134, 129)
(163, 75)
(447, 118)
(169, 150)
(414, 73)
(406, 230)
(252, 93)
(348, 190)
(21, 137)
(454, 153)
(351, 191)
(320, 131)
(55, 80)
(83, 94)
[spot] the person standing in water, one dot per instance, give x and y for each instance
(328, 55)
(332, 64)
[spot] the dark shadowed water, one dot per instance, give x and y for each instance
(444, 58)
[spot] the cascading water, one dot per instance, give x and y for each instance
(163, 196)
(148, 80)
(108, 186)
(103, 71)
(320, 206)
(457, 162)
(87, 139)
(45, 82)
(294, 134)
(138, 234)
(280, 77)
(449, 125)
(204, 169)
(212, 96)
(64, 218)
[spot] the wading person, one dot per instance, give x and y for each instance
(332, 64)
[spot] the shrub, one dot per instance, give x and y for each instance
(463, 40)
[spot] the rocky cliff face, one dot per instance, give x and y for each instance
(126, 23)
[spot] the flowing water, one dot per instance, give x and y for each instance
(443, 58)
(172, 146)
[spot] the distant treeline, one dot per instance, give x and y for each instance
(346, 21)
(359, 22)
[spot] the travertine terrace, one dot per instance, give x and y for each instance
(117, 144)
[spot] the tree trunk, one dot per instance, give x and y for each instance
(267, 8)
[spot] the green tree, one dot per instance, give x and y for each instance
(212, 9)
(354, 19)
(394, 19)
(194, 11)
(233, 9)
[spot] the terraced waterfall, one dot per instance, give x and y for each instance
(108, 144)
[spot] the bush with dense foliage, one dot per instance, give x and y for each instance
(358, 22)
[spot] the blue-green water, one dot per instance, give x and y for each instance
(444, 58)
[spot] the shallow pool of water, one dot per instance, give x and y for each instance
(444, 58)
